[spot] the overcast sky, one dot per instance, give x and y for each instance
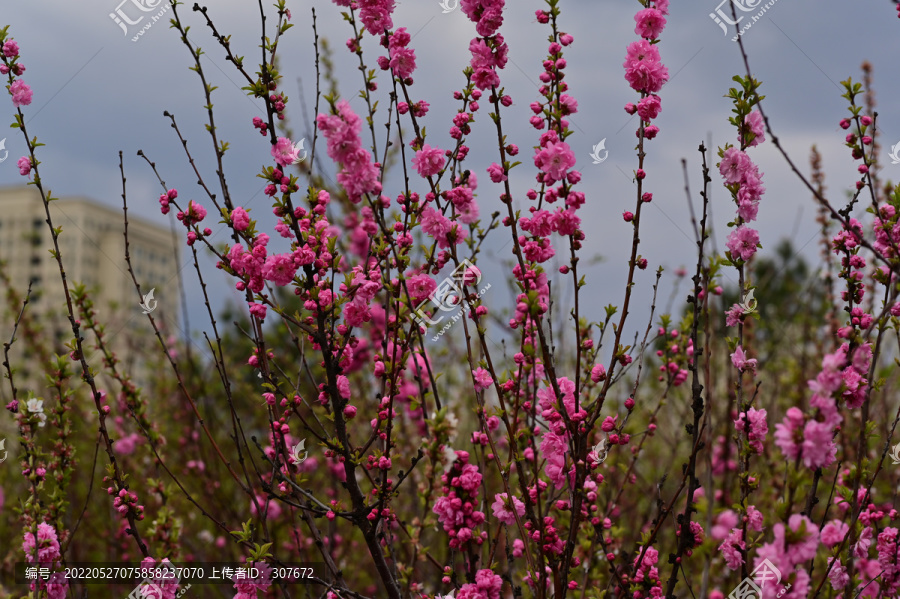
(96, 92)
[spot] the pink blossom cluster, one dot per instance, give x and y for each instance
(126, 502)
(888, 559)
(644, 70)
(374, 14)
(19, 90)
(247, 588)
(489, 52)
(358, 174)
(486, 14)
(556, 175)
(440, 228)
(487, 585)
(793, 546)
(887, 231)
(647, 573)
(811, 439)
(160, 587)
(45, 551)
(677, 354)
(456, 508)
(507, 507)
(743, 178)
(463, 198)
(284, 152)
(727, 530)
(429, 161)
(402, 61)
(754, 421)
(166, 199)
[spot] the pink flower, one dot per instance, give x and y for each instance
(343, 385)
(755, 126)
(420, 286)
(257, 310)
(787, 433)
(731, 549)
(650, 23)
(483, 379)
(643, 69)
(733, 315)
(755, 518)
(280, 269)
(834, 532)
(758, 427)
(57, 586)
(47, 545)
(791, 549)
(376, 15)
(24, 164)
(440, 227)
(554, 448)
(735, 165)
(249, 586)
(429, 161)
(240, 219)
(11, 49)
(740, 361)
(838, 576)
(861, 548)
(649, 107)
(496, 173)
(194, 214)
(487, 585)
(20, 92)
(724, 522)
(358, 174)
(742, 243)
(555, 159)
(403, 59)
(818, 448)
(502, 509)
(284, 152)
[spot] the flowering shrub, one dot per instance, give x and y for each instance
(324, 429)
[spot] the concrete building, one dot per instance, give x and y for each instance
(93, 253)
